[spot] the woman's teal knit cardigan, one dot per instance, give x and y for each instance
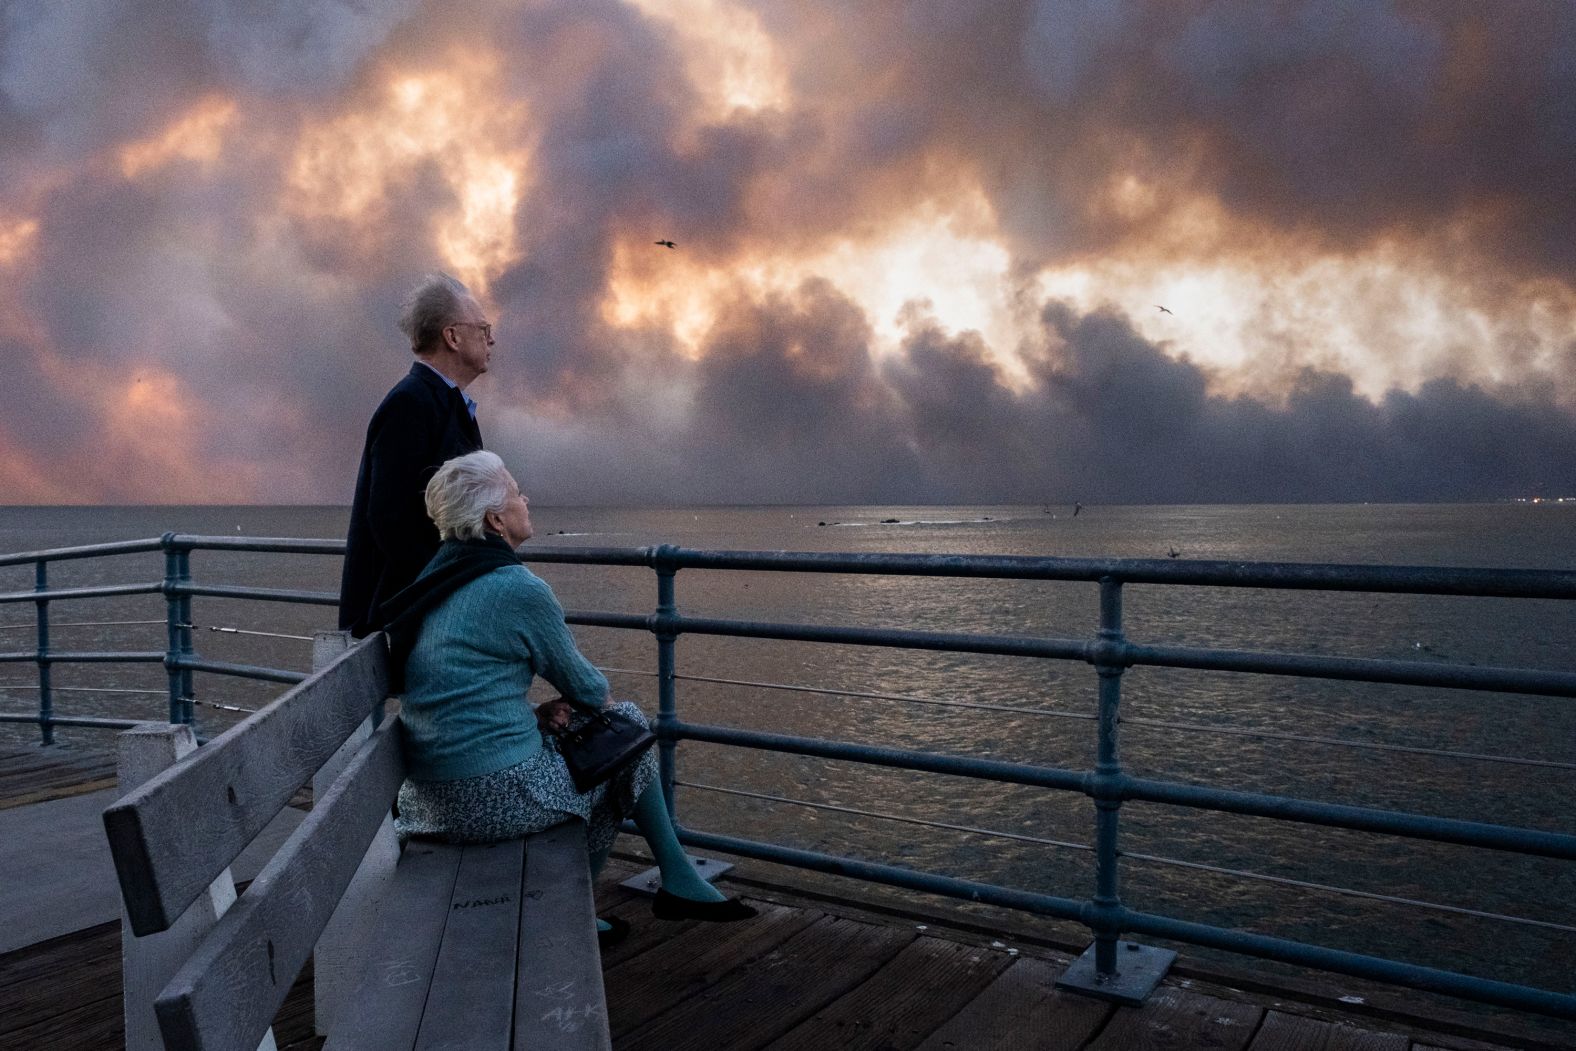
(464, 705)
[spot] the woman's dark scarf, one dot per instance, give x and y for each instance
(457, 563)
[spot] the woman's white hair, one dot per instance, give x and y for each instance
(463, 491)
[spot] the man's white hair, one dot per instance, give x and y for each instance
(463, 491)
(431, 306)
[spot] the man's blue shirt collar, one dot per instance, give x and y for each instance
(470, 403)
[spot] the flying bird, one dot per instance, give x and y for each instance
(667, 244)
(1163, 310)
(1076, 508)
(1173, 552)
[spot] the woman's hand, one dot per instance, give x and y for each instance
(553, 716)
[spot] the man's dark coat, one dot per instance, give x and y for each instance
(421, 423)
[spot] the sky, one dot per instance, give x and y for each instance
(921, 247)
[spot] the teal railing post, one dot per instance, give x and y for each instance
(178, 618)
(1107, 784)
(46, 701)
(1111, 969)
(664, 626)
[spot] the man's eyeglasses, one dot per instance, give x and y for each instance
(484, 326)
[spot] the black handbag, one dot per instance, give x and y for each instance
(601, 746)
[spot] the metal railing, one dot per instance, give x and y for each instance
(1108, 652)
(179, 657)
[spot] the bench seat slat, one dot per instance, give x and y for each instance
(400, 956)
(471, 1001)
(560, 1003)
(229, 990)
(172, 836)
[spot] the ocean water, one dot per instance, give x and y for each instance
(1214, 729)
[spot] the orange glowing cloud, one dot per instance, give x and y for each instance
(943, 257)
(197, 135)
(147, 437)
(343, 167)
(17, 238)
(1253, 305)
(728, 57)
(31, 475)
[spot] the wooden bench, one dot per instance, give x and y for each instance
(467, 947)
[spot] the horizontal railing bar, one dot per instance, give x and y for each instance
(925, 822)
(1236, 731)
(902, 759)
(600, 619)
(891, 875)
(1341, 742)
(1428, 979)
(1155, 723)
(1410, 975)
(73, 657)
(1351, 892)
(903, 638)
(82, 689)
(313, 598)
(103, 591)
(973, 705)
(1358, 819)
(245, 631)
(70, 720)
(30, 626)
(1364, 669)
(62, 554)
(1423, 580)
(1019, 837)
(240, 671)
(220, 707)
(263, 544)
(1362, 819)
(1361, 669)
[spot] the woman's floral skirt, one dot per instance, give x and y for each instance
(525, 798)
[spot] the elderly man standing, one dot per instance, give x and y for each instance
(426, 419)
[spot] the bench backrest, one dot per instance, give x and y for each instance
(173, 836)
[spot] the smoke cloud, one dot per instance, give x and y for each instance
(921, 250)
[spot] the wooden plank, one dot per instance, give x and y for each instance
(1023, 1009)
(1286, 1032)
(78, 1026)
(776, 992)
(400, 957)
(559, 1000)
(172, 836)
(80, 972)
(1174, 1017)
(694, 960)
(918, 990)
(472, 991)
(44, 960)
(645, 933)
(62, 791)
(226, 993)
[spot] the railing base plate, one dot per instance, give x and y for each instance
(1139, 969)
(648, 881)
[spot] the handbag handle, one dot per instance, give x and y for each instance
(597, 716)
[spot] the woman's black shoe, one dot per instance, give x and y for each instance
(617, 931)
(667, 906)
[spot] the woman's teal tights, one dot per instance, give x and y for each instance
(678, 875)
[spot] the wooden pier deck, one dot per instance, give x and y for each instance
(806, 973)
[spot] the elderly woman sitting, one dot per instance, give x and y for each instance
(469, 636)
